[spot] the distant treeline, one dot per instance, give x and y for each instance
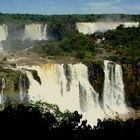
(29, 18)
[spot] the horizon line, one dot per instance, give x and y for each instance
(10, 13)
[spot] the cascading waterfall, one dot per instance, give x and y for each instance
(3, 34)
(3, 86)
(92, 27)
(113, 94)
(22, 88)
(67, 86)
(35, 32)
(44, 33)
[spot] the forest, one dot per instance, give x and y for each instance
(47, 121)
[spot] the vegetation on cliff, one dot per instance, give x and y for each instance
(11, 83)
(126, 43)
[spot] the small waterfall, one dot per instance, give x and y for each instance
(3, 34)
(44, 33)
(92, 27)
(113, 94)
(35, 32)
(22, 88)
(131, 24)
(3, 86)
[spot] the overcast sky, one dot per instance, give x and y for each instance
(70, 6)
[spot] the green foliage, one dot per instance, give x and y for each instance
(12, 79)
(27, 18)
(20, 118)
(128, 59)
(124, 37)
(126, 41)
(78, 45)
(114, 58)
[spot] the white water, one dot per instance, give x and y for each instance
(3, 34)
(22, 88)
(113, 94)
(3, 86)
(92, 27)
(35, 32)
(67, 85)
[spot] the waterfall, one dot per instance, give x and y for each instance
(113, 94)
(92, 27)
(22, 88)
(66, 85)
(3, 34)
(35, 32)
(3, 86)
(131, 24)
(44, 33)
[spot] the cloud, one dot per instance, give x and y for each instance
(116, 6)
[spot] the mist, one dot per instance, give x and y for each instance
(102, 26)
(21, 36)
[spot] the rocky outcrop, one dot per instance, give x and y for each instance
(96, 76)
(131, 79)
(10, 84)
(131, 76)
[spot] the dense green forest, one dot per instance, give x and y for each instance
(29, 18)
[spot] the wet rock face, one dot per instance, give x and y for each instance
(96, 77)
(10, 88)
(131, 76)
(36, 77)
(131, 79)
